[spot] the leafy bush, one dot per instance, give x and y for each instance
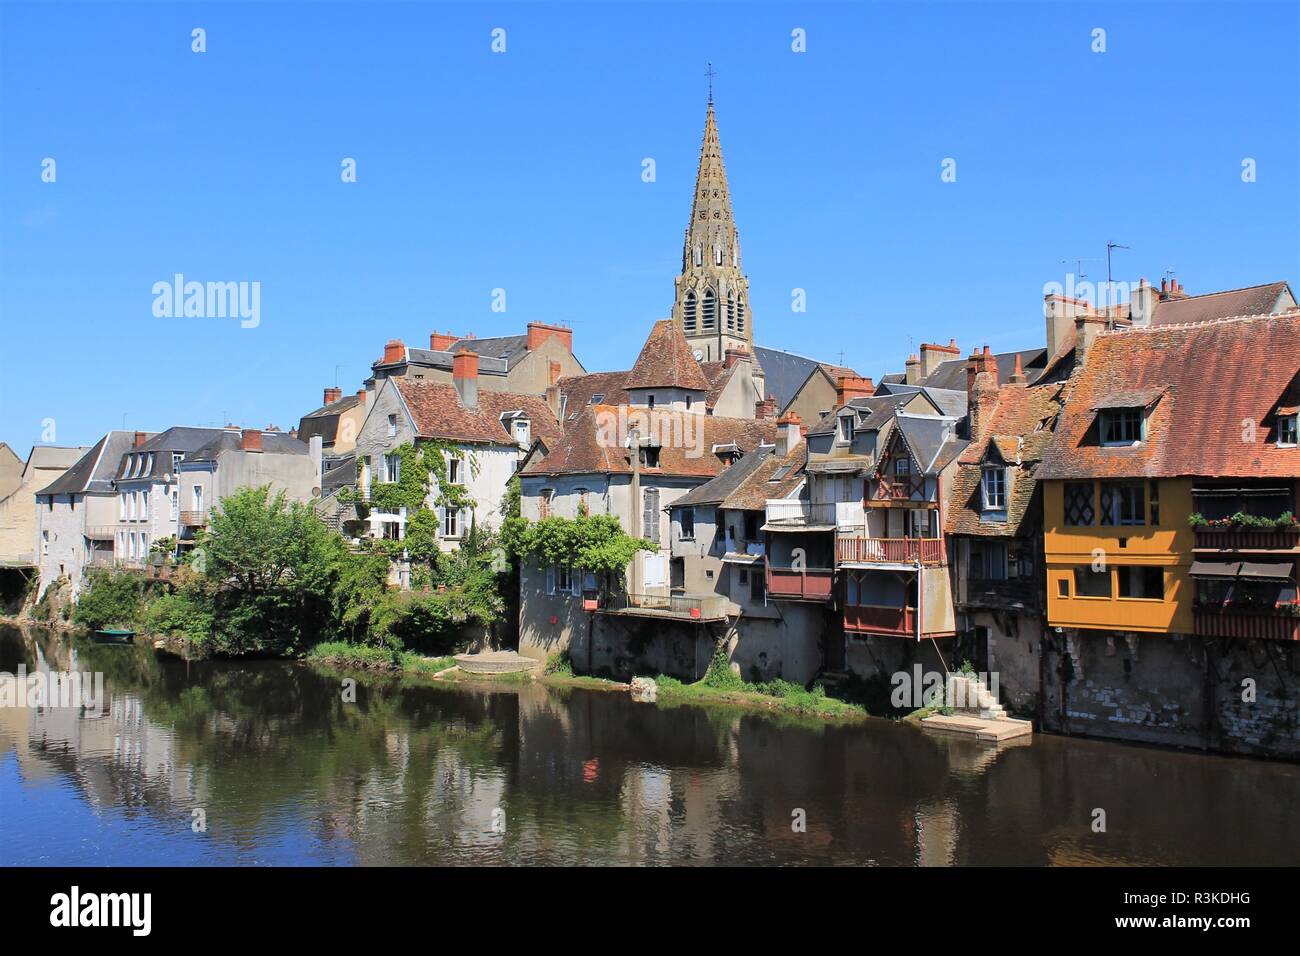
(184, 613)
(560, 664)
(112, 598)
(720, 676)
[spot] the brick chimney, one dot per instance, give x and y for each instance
(363, 395)
(1086, 329)
(293, 432)
(464, 375)
(932, 356)
(852, 386)
(979, 362)
(250, 439)
(981, 391)
(735, 355)
(912, 367)
(1174, 290)
(789, 433)
(539, 332)
(140, 439)
(553, 374)
(332, 395)
(1018, 376)
(394, 352)
(442, 341)
(765, 408)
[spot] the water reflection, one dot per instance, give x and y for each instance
(286, 772)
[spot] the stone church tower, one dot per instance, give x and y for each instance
(711, 304)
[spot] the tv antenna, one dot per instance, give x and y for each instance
(1078, 264)
(1109, 246)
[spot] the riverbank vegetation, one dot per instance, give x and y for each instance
(268, 578)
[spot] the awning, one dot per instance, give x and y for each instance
(735, 557)
(1268, 570)
(1215, 569)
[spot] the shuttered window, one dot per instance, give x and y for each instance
(650, 520)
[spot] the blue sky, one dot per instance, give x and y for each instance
(522, 171)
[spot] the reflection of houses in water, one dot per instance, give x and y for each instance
(113, 754)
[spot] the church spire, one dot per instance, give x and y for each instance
(712, 294)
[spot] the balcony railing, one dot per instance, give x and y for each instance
(194, 519)
(871, 619)
(797, 512)
(704, 607)
(813, 584)
(907, 488)
(1248, 539)
(928, 551)
(1278, 624)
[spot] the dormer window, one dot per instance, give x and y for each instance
(650, 456)
(523, 431)
(1120, 426)
(1288, 429)
(993, 486)
(846, 428)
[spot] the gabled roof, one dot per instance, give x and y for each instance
(1216, 375)
(1018, 433)
(579, 391)
(716, 490)
(182, 439)
(666, 361)
(324, 421)
(341, 473)
(273, 443)
(594, 443)
(1252, 300)
(785, 373)
(508, 348)
(436, 412)
(93, 472)
(952, 373)
(932, 441)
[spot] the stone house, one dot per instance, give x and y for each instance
(18, 534)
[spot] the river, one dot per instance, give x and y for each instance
(265, 763)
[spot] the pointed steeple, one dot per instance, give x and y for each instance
(711, 305)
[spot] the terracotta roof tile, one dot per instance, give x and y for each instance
(579, 391)
(666, 361)
(1216, 374)
(438, 413)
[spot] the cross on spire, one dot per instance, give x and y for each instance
(710, 73)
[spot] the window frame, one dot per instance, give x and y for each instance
(1120, 417)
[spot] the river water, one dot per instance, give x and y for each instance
(263, 763)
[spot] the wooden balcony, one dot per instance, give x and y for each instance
(1248, 539)
(1279, 624)
(788, 584)
(930, 552)
(798, 513)
(911, 489)
(705, 607)
(871, 619)
(195, 519)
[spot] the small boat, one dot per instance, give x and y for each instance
(112, 635)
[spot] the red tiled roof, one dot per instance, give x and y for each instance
(666, 361)
(1215, 375)
(438, 413)
(595, 442)
(579, 390)
(1253, 300)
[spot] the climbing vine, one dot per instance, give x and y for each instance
(595, 543)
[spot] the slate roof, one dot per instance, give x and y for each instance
(1216, 375)
(933, 441)
(716, 490)
(324, 421)
(93, 472)
(1019, 432)
(784, 373)
(342, 473)
(1252, 300)
(666, 361)
(594, 442)
(273, 443)
(875, 411)
(438, 413)
(184, 439)
(952, 373)
(508, 348)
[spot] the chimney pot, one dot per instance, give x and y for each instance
(849, 387)
(464, 376)
(442, 341)
(394, 352)
(140, 439)
(332, 395)
(250, 439)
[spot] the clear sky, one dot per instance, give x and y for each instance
(522, 171)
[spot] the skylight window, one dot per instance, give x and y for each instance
(781, 473)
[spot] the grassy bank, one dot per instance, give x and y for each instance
(368, 657)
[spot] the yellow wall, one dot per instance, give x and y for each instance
(1167, 545)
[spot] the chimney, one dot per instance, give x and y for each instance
(394, 352)
(554, 373)
(981, 391)
(852, 386)
(539, 332)
(765, 408)
(332, 395)
(1086, 329)
(934, 355)
(464, 375)
(442, 341)
(315, 451)
(363, 395)
(250, 439)
(1018, 376)
(913, 368)
(735, 355)
(553, 400)
(1142, 303)
(1060, 311)
(788, 434)
(293, 432)
(140, 439)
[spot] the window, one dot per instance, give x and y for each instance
(757, 586)
(121, 506)
(650, 508)
(1120, 426)
(1090, 583)
(689, 402)
(1123, 503)
(144, 505)
(453, 471)
(196, 497)
(740, 316)
(1288, 427)
(902, 466)
(392, 425)
(846, 428)
(392, 468)
(1153, 490)
(751, 525)
(995, 488)
(988, 560)
(688, 524)
(1063, 587)
(45, 542)
(176, 502)
(550, 579)
(717, 254)
(1078, 503)
(450, 523)
(544, 502)
(650, 456)
(731, 312)
(564, 579)
(523, 431)
(1136, 582)
(148, 468)
(650, 401)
